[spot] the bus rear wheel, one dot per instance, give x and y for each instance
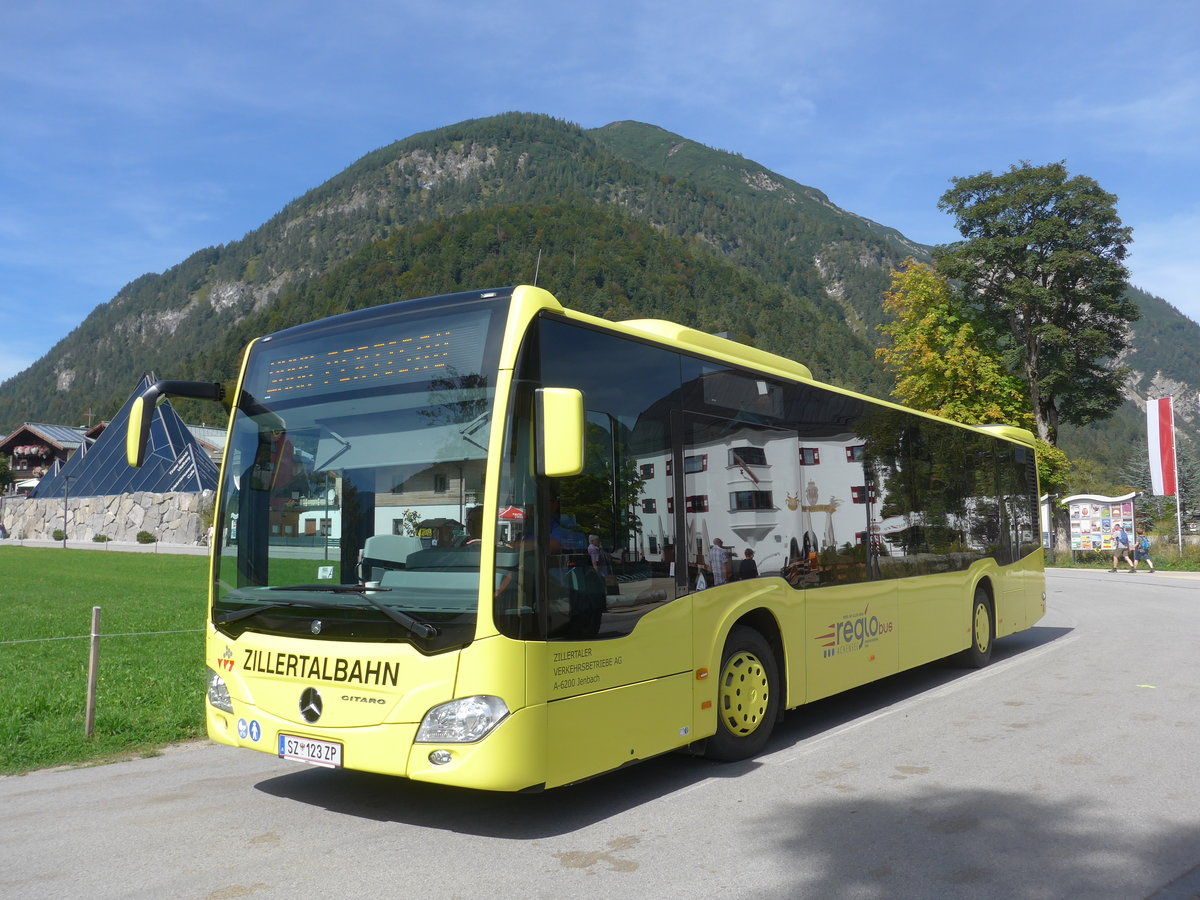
(983, 632)
(747, 696)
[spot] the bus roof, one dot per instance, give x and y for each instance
(711, 345)
(1012, 432)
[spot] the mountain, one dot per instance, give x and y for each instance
(1164, 359)
(623, 221)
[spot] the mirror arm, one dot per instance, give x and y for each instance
(141, 413)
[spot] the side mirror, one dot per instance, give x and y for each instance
(141, 413)
(560, 423)
(137, 433)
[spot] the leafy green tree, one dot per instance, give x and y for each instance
(939, 362)
(1089, 476)
(942, 366)
(1042, 263)
(1054, 468)
(409, 520)
(5, 474)
(603, 497)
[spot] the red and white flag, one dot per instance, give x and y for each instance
(1160, 436)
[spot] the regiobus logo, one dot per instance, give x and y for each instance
(853, 632)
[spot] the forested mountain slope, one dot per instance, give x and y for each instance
(628, 220)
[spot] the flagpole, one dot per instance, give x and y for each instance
(1178, 486)
(1178, 522)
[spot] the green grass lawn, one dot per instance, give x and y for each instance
(151, 681)
(151, 686)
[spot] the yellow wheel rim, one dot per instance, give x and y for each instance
(745, 693)
(983, 631)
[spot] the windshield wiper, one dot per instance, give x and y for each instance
(329, 588)
(416, 626)
(235, 615)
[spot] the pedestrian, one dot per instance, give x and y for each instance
(1121, 548)
(3, 532)
(748, 568)
(718, 562)
(1141, 550)
(597, 555)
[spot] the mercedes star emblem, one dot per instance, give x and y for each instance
(310, 705)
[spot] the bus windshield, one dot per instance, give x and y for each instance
(354, 475)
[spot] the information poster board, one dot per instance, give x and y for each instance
(1094, 521)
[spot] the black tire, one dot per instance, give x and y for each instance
(748, 694)
(983, 632)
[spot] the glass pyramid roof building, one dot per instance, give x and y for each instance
(174, 460)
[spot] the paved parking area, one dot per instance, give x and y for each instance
(1067, 768)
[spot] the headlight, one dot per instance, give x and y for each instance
(218, 692)
(462, 721)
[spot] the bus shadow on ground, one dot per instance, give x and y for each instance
(935, 841)
(823, 716)
(531, 816)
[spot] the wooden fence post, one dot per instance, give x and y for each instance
(93, 669)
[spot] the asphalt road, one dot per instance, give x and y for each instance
(1067, 768)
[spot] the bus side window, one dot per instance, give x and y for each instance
(622, 494)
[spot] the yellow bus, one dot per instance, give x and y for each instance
(486, 541)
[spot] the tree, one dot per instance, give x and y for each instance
(1154, 510)
(1042, 264)
(937, 358)
(604, 496)
(942, 366)
(1088, 475)
(1054, 468)
(409, 519)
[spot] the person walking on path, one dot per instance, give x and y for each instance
(1141, 550)
(1121, 548)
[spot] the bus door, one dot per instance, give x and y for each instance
(615, 667)
(620, 649)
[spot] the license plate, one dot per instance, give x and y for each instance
(310, 750)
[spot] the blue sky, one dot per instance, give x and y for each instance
(133, 134)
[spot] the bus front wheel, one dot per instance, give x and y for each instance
(983, 632)
(747, 696)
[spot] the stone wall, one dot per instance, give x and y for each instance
(172, 518)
